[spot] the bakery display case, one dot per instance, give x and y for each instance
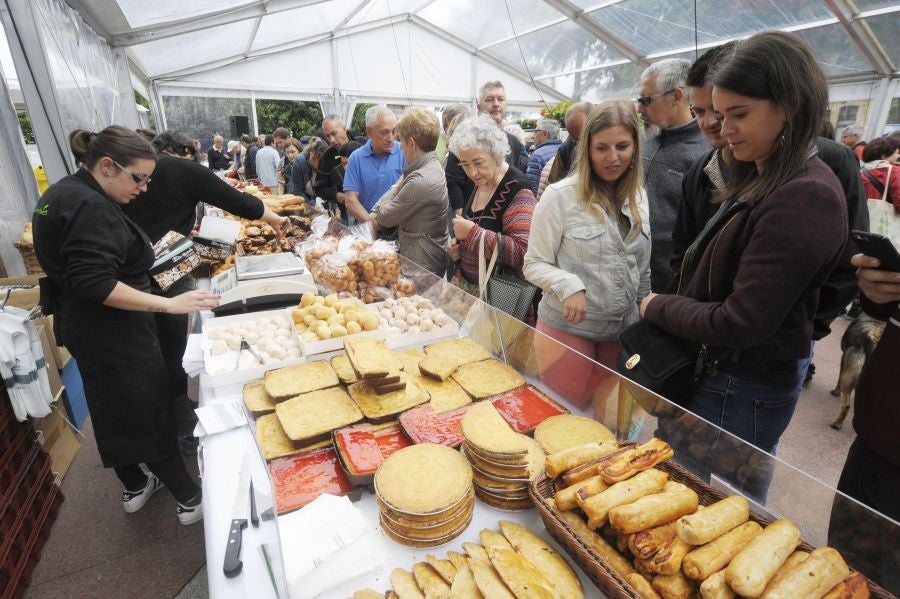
(541, 389)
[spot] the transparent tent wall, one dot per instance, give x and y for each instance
(203, 118)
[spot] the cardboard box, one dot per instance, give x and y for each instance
(213, 249)
(60, 354)
(48, 343)
(60, 440)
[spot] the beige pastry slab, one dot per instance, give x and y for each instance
(292, 381)
(487, 377)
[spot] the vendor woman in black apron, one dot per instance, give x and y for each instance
(97, 263)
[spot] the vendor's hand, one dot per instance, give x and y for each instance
(192, 301)
(574, 307)
(275, 221)
(646, 302)
(880, 286)
(461, 227)
(373, 220)
(453, 249)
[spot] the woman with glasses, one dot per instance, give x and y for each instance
(589, 251)
(749, 284)
(169, 203)
(98, 289)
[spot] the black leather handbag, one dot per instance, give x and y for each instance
(660, 362)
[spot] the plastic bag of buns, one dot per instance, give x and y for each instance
(380, 264)
(334, 273)
(314, 248)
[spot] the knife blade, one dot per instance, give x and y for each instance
(254, 517)
(233, 564)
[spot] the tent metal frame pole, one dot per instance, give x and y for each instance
(37, 88)
(879, 107)
(584, 20)
(253, 112)
(862, 37)
(125, 89)
(158, 106)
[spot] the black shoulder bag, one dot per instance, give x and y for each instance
(657, 360)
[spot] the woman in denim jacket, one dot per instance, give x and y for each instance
(589, 251)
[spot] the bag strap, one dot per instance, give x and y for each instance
(485, 270)
(882, 189)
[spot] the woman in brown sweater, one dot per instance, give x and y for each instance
(748, 295)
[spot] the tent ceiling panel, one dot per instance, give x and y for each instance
(374, 63)
(835, 51)
(479, 23)
(141, 13)
(380, 9)
(561, 48)
(172, 54)
(867, 5)
(430, 75)
(518, 91)
(300, 70)
(619, 81)
(299, 23)
(656, 25)
(887, 30)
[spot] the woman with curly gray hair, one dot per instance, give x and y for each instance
(500, 207)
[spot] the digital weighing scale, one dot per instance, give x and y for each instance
(261, 283)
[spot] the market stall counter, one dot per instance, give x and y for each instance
(491, 451)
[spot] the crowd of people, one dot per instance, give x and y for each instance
(710, 206)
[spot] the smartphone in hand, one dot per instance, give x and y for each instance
(878, 246)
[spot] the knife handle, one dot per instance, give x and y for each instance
(233, 563)
(254, 517)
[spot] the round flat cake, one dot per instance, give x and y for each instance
(422, 479)
(567, 430)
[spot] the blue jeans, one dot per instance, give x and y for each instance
(744, 406)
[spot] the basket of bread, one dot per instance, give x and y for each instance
(643, 527)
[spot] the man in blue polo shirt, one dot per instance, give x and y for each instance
(376, 166)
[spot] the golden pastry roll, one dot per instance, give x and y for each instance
(715, 587)
(703, 561)
(587, 469)
(596, 542)
(645, 483)
(623, 466)
(714, 521)
(622, 543)
(642, 567)
(675, 486)
(756, 564)
(653, 510)
(566, 498)
(854, 586)
(792, 560)
(667, 561)
(643, 588)
(537, 551)
(588, 488)
(646, 543)
(823, 570)
(674, 586)
(559, 462)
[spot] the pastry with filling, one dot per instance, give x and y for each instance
(377, 407)
(462, 350)
(486, 378)
(311, 416)
(257, 400)
(291, 381)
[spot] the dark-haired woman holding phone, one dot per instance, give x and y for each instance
(750, 286)
(97, 262)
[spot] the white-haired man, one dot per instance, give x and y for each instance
(675, 141)
(546, 145)
(373, 168)
(852, 138)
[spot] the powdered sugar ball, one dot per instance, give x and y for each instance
(218, 348)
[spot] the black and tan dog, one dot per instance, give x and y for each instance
(857, 344)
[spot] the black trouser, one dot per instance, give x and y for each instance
(172, 330)
(171, 471)
(868, 543)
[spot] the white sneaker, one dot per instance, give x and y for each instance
(188, 514)
(135, 500)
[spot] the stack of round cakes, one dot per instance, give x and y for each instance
(425, 495)
(503, 461)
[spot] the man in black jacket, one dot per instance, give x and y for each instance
(708, 175)
(576, 116)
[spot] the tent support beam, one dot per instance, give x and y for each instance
(160, 31)
(582, 19)
(862, 36)
(500, 64)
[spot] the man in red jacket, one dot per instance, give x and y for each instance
(871, 474)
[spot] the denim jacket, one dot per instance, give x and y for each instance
(571, 249)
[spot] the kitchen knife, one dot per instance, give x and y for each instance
(233, 563)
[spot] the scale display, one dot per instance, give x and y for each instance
(269, 265)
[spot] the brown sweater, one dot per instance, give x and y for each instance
(876, 417)
(756, 285)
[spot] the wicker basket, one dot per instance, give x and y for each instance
(32, 266)
(596, 567)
